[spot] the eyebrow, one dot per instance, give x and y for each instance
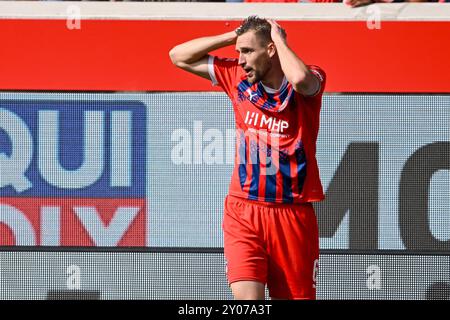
(243, 48)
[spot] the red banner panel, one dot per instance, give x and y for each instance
(124, 55)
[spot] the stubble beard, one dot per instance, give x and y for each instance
(259, 75)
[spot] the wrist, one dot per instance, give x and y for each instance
(278, 40)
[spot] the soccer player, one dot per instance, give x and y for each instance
(270, 228)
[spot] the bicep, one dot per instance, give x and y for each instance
(199, 67)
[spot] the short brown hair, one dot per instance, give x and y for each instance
(259, 25)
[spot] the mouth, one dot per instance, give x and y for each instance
(248, 72)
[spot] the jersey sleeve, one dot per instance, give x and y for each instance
(321, 75)
(223, 72)
(315, 101)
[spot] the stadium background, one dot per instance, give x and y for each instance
(96, 201)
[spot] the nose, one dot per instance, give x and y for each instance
(241, 60)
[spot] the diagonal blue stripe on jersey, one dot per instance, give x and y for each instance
(285, 170)
(301, 167)
(254, 184)
(242, 161)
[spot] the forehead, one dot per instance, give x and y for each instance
(248, 40)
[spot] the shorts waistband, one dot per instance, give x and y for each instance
(269, 204)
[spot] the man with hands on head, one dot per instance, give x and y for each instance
(270, 228)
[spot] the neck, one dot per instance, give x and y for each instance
(274, 77)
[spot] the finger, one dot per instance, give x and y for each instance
(351, 2)
(360, 3)
(273, 26)
(273, 22)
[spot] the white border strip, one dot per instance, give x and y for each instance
(211, 71)
(221, 11)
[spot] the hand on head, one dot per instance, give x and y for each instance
(276, 31)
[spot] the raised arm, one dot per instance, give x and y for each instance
(295, 70)
(192, 56)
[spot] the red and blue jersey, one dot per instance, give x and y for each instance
(276, 134)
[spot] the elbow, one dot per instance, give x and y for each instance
(305, 83)
(174, 56)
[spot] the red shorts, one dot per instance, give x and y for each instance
(275, 244)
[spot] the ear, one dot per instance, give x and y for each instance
(271, 49)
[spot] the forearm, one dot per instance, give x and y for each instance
(293, 67)
(193, 50)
